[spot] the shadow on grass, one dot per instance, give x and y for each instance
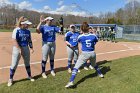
(22, 80)
(56, 70)
(39, 76)
(103, 62)
(104, 70)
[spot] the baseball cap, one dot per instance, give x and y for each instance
(26, 22)
(72, 25)
(49, 18)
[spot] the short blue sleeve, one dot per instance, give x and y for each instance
(17, 35)
(96, 39)
(67, 37)
(41, 28)
(79, 39)
(57, 29)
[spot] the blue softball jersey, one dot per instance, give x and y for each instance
(22, 36)
(88, 42)
(72, 38)
(48, 33)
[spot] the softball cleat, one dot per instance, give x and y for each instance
(31, 79)
(79, 71)
(69, 70)
(91, 67)
(70, 84)
(10, 82)
(85, 68)
(53, 73)
(101, 75)
(44, 75)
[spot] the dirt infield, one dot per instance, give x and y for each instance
(104, 50)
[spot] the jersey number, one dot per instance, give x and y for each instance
(24, 39)
(74, 40)
(88, 43)
(50, 33)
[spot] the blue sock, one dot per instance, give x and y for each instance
(52, 64)
(12, 72)
(85, 64)
(97, 69)
(75, 61)
(43, 65)
(28, 69)
(69, 63)
(74, 72)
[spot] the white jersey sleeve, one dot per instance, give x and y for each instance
(14, 33)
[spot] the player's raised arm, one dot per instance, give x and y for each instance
(39, 25)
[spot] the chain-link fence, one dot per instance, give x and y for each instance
(130, 32)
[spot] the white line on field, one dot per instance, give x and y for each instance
(127, 46)
(33, 63)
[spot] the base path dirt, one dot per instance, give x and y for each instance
(104, 50)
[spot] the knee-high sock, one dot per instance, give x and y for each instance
(12, 72)
(74, 72)
(97, 69)
(69, 63)
(52, 64)
(43, 65)
(28, 69)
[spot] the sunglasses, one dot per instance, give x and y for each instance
(50, 20)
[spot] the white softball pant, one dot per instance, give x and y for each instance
(25, 53)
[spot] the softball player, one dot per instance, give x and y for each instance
(48, 32)
(88, 44)
(91, 31)
(21, 40)
(72, 46)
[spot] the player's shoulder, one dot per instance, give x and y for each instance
(27, 30)
(43, 26)
(16, 29)
(82, 35)
(93, 36)
(68, 33)
(87, 35)
(20, 30)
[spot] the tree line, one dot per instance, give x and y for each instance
(128, 15)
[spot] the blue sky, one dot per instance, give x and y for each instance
(71, 6)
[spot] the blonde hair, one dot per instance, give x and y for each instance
(21, 19)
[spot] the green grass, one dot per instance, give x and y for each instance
(11, 30)
(126, 40)
(6, 30)
(121, 76)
